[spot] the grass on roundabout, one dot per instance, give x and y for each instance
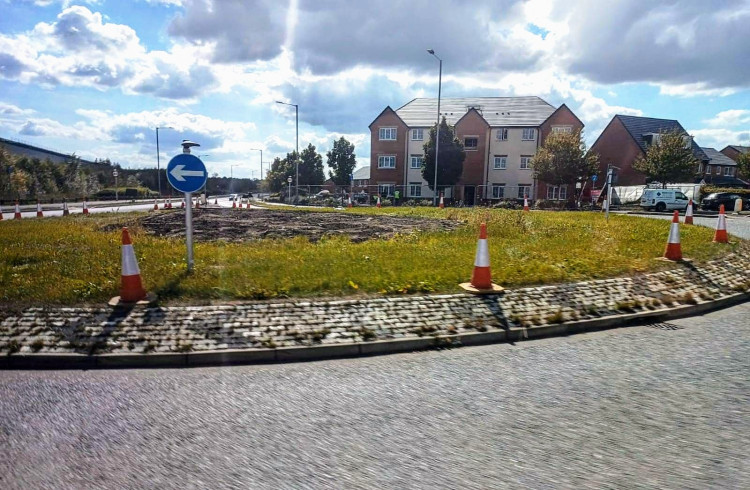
(72, 260)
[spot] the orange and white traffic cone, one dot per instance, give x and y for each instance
(526, 203)
(66, 211)
(156, 204)
(197, 203)
(720, 236)
(689, 213)
(17, 214)
(131, 286)
(234, 204)
(1, 212)
(183, 203)
(378, 204)
(673, 250)
(216, 201)
(481, 277)
(85, 206)
(169, 203)
(349, 205)
(39, 213)
(442, 202)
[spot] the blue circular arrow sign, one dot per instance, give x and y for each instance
(186, 173)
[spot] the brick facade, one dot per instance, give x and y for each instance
(617, 147)
(388, 119)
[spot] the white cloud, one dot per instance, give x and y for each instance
(720, 137)
(13, 110)
(730, 118)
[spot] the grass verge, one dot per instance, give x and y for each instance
(69, 260)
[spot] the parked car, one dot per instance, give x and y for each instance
(323, 194)
(713, 201)
(664, 199)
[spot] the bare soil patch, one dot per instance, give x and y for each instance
(235, 225)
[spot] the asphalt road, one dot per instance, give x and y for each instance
(642, 407)
(736, 225)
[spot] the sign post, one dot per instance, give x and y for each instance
(187, 173)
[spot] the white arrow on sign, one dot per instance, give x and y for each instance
(179, 174)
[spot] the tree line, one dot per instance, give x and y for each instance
(341, 161)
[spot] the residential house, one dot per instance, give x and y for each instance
(734, 151)
(720, 171)
(500, 137)
(361, 178)
(627, 137)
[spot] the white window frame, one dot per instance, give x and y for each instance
(475, 148)
(528, 134)
(417, 134)
(498, 191)
(727, 171)
(420, 160)
(415, 189)
(522, 193)
(525, 162)
(502, 160)
(562, 129)
(502, 134)
(718, 170)
(388, 188)
(557, 192)
(381, 161)
(387, 133)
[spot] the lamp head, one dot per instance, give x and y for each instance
(431, 51)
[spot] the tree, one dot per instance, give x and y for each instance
(563, 160)
(311, 167)
(743, 165)
(450, 159)
(280, 171)
(669, 159)
(341, 161)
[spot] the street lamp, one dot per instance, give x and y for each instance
(158, 166)
(437, 130)
(296, 160)
(261, 161)
(115, 174)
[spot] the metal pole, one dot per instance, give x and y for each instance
(158, 166)
(116, 187)
(296, 178)
(189, 230)
(437, 130)
(609, 191)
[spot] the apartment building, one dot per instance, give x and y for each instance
(500, 137)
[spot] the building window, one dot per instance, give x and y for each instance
(498, 191)
(526, 162)
(501, 162)
(502, 134)
(387, 134)
(416, 161)
(562, 129)
(529, 134)
(727, 171)
(700, 168)
(415, 189)
(718, 170)
(557, 192)
(387, 161)
(470, 143)
(417, 134)
(386, 189)
(524, 190)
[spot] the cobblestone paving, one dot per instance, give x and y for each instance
(264, 325)
(626, 408)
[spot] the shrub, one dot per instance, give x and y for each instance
(710, 189)
(507, 204)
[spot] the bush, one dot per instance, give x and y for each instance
(507, 204)
(710, 189)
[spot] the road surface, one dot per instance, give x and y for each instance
(649, 407)
(737, 225)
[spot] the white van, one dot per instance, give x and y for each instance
(664, 199)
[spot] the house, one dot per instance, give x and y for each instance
(362, 178)
(734, 151)
(500, 137)
(720, 171)
(627, 137)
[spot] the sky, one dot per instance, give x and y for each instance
(97, 77)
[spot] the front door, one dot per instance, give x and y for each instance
(469, 195)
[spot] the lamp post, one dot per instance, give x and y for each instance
(289, 180)
(296, 160)
(437, 130)
(115, 174)
(158, 166)
(261, 161)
